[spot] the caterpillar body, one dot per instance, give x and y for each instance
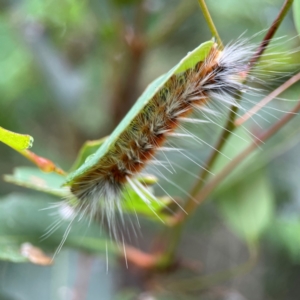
(204, 74)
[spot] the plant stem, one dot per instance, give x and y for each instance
(177, 224)
(276, 23)
(260, 139)
(266, 100)
(210, 23)
(230, 124)
(208, 188)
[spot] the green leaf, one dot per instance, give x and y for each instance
(88, 148)
(193, 57)
(154, 209)
(248, 206)
(238, 141)
(15, 140)
(69, 12)
(10, 251)
(14, 63)
(187, 62)
(51, 183)
(296, 11)
(34, 178)
(24, 219)
(285, 233)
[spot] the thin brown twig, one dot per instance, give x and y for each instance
(44, 164)
(268, 37)
(191, 205)
(266, 100)
(259, 140)
(140, 259)
(230, 125)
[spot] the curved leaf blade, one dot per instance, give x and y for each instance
(14, 140)
(35, 179)
(248, 206)
(87, 149)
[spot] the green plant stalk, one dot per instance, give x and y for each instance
(175, 233)
(259, 140)
(210, 23)
(177, 228)
(230, 126)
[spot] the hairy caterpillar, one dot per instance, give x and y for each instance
(207, 74)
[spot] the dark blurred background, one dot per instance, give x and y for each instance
(70, 70)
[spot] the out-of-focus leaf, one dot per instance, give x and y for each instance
(280, 61)
(10, 250)
(88, 148)
(51, 183)
(154, 209)
(238, 141)
(14, 63)
(286, 234)
(14, 140)
(296, 10)
(248, 206)
(235, 145)
(69, 12)
(23, 219)
(35, 179)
